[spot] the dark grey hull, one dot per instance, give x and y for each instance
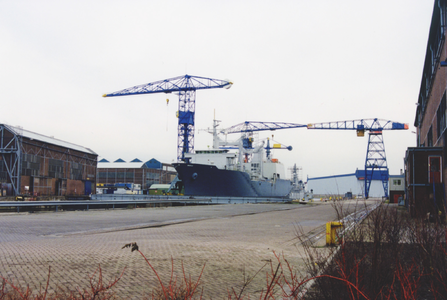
(208, 180)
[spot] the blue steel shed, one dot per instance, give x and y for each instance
(153, 164)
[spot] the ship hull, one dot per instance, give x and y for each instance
(208, 180)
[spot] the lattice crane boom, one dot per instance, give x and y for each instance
(251, 126)
(361, 124)
(248, 127)
(375, 154)
(186, 87)
(175, 84)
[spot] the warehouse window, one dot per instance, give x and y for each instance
(111, 175)
(76, 171)
(56, 168)
(30, 165)
(153, 176)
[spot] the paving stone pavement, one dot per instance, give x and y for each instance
(229, 240)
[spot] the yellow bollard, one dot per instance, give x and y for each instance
(331, 233)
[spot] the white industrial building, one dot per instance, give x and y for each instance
(336, 185)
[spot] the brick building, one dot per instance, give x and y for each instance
(38, 165)
(135, 172)
(425, 165)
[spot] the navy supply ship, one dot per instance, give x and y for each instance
(247, 173)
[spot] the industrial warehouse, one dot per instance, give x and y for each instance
(348, 184)
(132, 177)
(38, 165)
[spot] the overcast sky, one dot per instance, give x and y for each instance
(297, 61)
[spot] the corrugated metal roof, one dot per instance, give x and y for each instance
(153, 164)
(119, 165)
(134, 164)
(50, 140)
(377, 175)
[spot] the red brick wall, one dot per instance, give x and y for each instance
(433, 102)
(25, 181)
(75, 187)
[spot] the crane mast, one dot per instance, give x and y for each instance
(186, 87)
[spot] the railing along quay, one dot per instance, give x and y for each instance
(213, 199)
(116, 200)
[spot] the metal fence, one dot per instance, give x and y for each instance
(131, 201)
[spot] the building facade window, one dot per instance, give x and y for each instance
(430, 137)
(30, 165)
(440, 117)
(397, 182)
(76, 171)
(56, 168)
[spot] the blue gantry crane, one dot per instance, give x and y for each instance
(186, 87)
(375, 154)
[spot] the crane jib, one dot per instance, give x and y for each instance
(399, 126)
(185, 87)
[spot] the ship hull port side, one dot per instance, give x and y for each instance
(208, 180)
